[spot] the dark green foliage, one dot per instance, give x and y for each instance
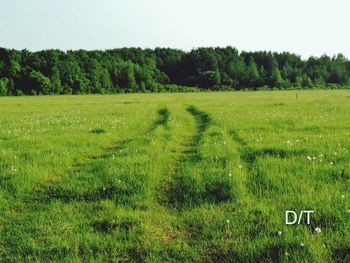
(163, 70)
(98, 131)
(276, 78)
(163, 118)
(341, 254)
(38, 83)
(253, 76)
(4, 86)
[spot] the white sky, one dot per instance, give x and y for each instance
(305, 27)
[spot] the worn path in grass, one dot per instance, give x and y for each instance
(175, 190)
(112, 192)
(60, 204)
(112, 196)
(261, 192)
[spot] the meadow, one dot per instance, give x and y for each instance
(204, 177)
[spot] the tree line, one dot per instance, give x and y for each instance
(163, 69)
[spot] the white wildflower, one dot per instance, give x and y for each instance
(318, 230)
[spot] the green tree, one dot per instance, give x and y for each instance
(4, 86)
(99, 78)
(73, 78)
(56, 81)
(127, 77)
(253, 74)
(320, 83)
(276, 78)
(306, 81)
(39, 83)
(209, 78)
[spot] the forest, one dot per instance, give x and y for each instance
(128, 70)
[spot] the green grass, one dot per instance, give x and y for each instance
(175, 177)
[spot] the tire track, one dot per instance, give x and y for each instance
(182, 188)
(171, 193)
(257, 182)
(188, 148)
(51, 190)
(35, 204)
(162, 120)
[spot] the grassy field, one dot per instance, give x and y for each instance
(175, 177)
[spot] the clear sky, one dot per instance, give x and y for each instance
(305, 27)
